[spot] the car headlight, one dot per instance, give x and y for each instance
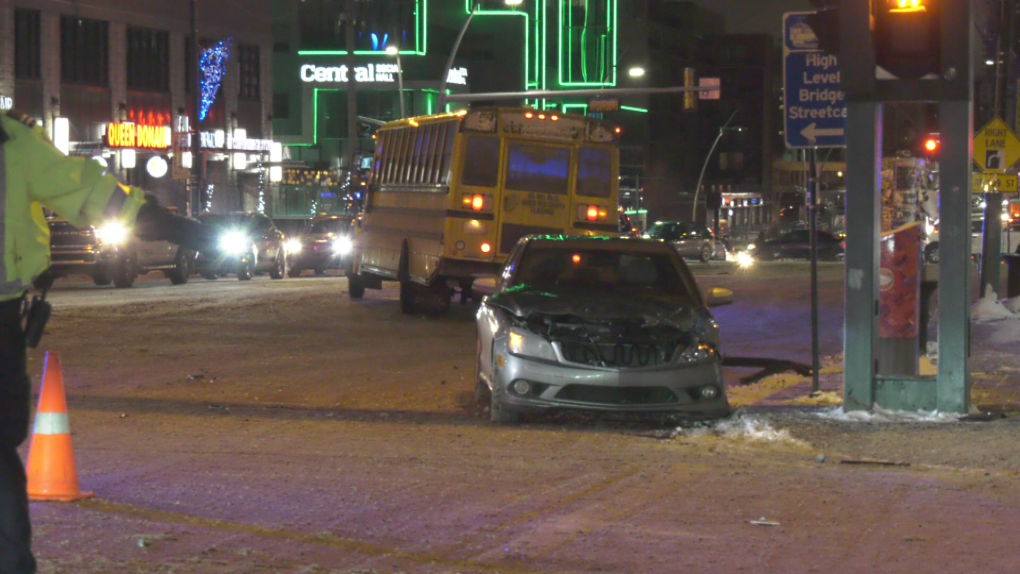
(744, 259)
(293, 245)
(699, 353)
(234, 243)
(751, 246)
(112, 233)
(527, 344)
(342, 245)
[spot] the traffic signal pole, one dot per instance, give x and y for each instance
(944, 76)
(991, 236)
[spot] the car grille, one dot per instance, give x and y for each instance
(619, 355)
(616, 395)
(67, 235)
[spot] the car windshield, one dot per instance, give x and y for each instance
(600, 272)
(231, 221)
(657, 230)
(328, 226)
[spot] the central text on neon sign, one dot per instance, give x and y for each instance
(132, 135)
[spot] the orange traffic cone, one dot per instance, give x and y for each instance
(52, 474)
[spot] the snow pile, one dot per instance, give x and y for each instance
(880, 415)
(1013, 304)
(739, 425)
(989, 308)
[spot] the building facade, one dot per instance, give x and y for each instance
(112, 79)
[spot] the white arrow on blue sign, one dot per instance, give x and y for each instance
(814, 111)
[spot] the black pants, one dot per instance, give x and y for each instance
(15, 387)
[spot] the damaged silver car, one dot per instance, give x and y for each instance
(599, 324)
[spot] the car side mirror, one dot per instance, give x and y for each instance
(718, 296)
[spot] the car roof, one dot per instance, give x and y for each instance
(635, 244)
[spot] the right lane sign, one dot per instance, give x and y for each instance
(814, 112)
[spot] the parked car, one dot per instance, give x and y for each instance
(602, 325)
(797, 245)
(110, 253)
(326, 244)
(692, 240)
(249, 243)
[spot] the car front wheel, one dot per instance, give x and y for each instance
(279, 267)
(706, 253)
(498, 412)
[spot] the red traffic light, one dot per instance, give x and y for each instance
(931, 144)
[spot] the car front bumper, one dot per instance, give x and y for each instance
(309, 259)
(68, 260)
(674, 388)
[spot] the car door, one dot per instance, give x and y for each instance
(686, 239)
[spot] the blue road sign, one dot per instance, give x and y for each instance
(814, 112)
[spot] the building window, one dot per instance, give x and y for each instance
(248, 58)
(148, 60)
(84, 51)
(26, 44)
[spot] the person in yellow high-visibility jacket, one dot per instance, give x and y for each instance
(33, 175)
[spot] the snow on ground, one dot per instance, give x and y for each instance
(880, 415)
(739, 425)
(989, 308)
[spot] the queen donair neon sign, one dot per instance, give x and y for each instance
(378, 73)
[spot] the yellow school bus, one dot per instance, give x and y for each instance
(450, 195)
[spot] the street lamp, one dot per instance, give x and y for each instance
(636, 72)
(514, 2)
(722, 130)
(395, 51)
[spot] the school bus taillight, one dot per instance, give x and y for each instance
(476, 202)
(592, 213)
(486, 248)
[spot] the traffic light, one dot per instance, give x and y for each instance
(825, 24)
(690, 98)
(931, 146)
(907, 37)
(906, 34)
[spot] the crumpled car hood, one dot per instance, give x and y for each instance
(524, 302)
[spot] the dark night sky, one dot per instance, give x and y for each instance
(755, 16)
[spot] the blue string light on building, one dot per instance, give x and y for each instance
(214, 67)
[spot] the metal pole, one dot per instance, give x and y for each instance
(352, 94)
(813, 229)
(449, 61)
(697, 188)
(539, 94)
(197, 157)
(400, 85)
(991, 237)
(863, 182)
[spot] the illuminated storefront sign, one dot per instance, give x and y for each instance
(369, 73)
(362, 74)
(6, 102)
(457, 76)
(137, 136)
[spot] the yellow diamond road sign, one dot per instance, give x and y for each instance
(996, 147)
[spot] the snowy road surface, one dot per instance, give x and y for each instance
(275, 426)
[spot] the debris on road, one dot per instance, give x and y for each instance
(874, 462)
(762, 522)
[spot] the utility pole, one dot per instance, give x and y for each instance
(197, 158)
(991, 238)
(352, 94)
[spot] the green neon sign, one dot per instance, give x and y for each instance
(634, 109)
(534, 40)
(606, 50)
(420, 38)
